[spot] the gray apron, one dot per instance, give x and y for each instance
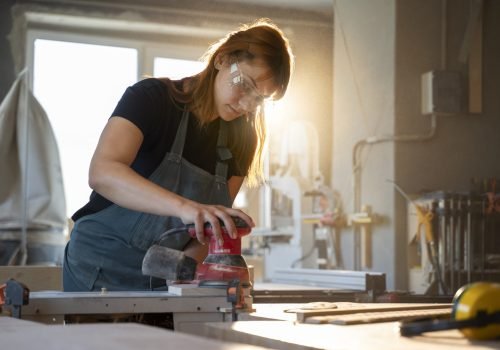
(106, 248)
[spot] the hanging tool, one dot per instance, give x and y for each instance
(425, 217)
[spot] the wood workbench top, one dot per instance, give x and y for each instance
(293, 336)
(22, 335)
(274, 326)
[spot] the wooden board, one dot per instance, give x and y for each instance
(36, 278)
(351, 308)
(21, 335)
(380, 316)
(296, 336)
(195, 290)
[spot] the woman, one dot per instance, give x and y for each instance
(175, 153)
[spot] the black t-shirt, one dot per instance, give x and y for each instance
(148, 105)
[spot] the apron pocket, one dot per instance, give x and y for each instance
(85, 273)
(147, 228)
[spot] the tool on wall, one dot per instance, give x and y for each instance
(223, 265)
(475, 312)
(425, 217)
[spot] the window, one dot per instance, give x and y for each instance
(79, 79)
(78, 85)
(176, 68)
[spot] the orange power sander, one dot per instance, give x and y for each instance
(224, 266)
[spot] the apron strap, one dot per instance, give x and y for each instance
(180, 137)
(223, 153)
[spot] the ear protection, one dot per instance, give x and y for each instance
(475, 312)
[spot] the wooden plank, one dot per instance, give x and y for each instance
(195, 290)
(379, 316)
(352, 308)
(36, 278)
(270, 312)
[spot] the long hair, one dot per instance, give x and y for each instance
(263, 40)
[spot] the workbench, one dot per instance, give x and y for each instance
(23, 335)
(282, 333)
(286, 333)
(268, 327)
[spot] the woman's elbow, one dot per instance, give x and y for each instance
(97, 177)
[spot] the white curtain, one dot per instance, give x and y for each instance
(31, 183)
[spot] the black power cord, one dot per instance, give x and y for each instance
(416, 327)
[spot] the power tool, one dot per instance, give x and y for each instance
(224, 266)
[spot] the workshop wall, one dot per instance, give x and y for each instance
(364, 55)
(7, 74)
(465, 146)
(377, 91)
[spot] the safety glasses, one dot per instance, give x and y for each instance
(244, 86)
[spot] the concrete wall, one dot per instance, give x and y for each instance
(390, 44)
(465, 146)
(363, 97)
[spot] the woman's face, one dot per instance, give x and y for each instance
(240, 87)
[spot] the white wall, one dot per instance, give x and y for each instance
(363, 98)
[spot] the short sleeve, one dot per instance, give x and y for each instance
(141, 103)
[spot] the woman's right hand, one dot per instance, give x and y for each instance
(199, 214)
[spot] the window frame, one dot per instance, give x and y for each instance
(147, 51)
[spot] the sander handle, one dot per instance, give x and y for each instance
(241, 227)
(228, 244)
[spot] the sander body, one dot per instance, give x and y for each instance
(224, 266)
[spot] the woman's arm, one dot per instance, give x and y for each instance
(111, 176)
